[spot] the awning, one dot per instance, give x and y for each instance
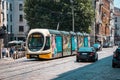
(13, 43)
(99, 37)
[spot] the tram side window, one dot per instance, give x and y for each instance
(47, 44)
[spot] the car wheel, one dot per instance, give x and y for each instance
(77, 60)
(94, 60)
(113, 65)
(97, 58)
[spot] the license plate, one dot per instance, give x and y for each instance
(34, 56)
(84, 53)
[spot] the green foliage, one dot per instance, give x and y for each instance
(48, 13)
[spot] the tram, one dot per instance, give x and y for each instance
(49, 44)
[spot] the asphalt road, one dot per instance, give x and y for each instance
(60, 69)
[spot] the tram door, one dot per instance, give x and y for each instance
(86, 42)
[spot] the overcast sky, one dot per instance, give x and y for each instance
(117, 3)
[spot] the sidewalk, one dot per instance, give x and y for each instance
(9, 59)
(6, 59)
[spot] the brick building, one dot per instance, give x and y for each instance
(102, 21)
(117, 25)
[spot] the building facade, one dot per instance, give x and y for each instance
(13, 18)
(1, 41)
(0, 15)
(112, 27)
(117, 25)
(102, 21)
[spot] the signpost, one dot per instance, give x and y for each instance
(1, 44)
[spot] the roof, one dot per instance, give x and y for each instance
(117, 14)
(87, 49)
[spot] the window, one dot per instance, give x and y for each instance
(115, 34)
(7, 5)
(115, 19)
(7, 17)
(3, 17)
(2, 4)
(21, 28)
(20, 7)
(47, 44)
(10, 7)
(21, 18)
(7, 28)
(116, 26)
(35, 41)
(11, 17)
(11, 29)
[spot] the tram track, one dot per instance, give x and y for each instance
(30, 68)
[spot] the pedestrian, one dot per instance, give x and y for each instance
(11, 52)
(3, 52)
(7, 52)
(15, 54)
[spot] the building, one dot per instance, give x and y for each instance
(117, 25)
(102, 21)
(92, 33)
(1, 41)
(112, 27)
(0, 15)
(12, 16)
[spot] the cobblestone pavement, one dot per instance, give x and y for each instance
(6, 60)
(60, 69)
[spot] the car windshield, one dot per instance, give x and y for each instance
(118, 50)
(96, 45)
(85, 49)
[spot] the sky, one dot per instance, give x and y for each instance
(117, 3)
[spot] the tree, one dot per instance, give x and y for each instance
(48, 13)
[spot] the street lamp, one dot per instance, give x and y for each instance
(73, 21)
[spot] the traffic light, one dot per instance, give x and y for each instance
(2, 31)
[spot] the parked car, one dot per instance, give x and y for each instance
(118, 44)
(97, 46)
(108, 44)
(116, 58)
(105, 45)
(86, 54)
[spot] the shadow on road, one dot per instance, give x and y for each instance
(100, 70)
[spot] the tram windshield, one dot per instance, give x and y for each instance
(35, 41)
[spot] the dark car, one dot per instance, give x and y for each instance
(108, 44)
(116, 58)
(97, 46)
(118, 44)
(86, 54)
(105, 45)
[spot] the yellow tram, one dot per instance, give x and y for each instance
(49, 44)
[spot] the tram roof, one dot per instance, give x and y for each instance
(65, 32)
(79, 33)
(54, 31)
(85, 34)
(72, 33)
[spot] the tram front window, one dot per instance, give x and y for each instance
(47, 44)
(35, 41)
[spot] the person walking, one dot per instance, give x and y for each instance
(3, 52)
(7, 52)
(11, 52)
